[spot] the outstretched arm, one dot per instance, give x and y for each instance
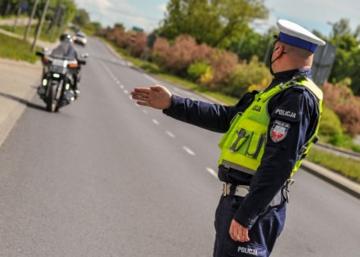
(214, 117)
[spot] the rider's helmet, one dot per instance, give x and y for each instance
(65, 37)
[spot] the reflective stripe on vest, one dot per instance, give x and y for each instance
(242, 147)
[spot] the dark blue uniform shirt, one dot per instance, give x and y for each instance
(279, 157)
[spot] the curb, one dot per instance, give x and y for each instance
(13, 116)
(333, 178)
(327, 175)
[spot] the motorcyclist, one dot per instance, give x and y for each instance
(67, 50)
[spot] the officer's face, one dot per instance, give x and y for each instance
(278, 52)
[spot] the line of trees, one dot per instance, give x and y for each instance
(58, 15)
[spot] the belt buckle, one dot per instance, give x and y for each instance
(226, 189)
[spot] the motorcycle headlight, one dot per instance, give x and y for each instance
(44, 82)
(56, 75)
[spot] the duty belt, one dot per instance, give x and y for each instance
(243, 190)
(240, 190)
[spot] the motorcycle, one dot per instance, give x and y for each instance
(58, 80)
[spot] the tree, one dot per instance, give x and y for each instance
(218, 23)
(341, 28)
(81, 18)
(253, 44)
(347, 61)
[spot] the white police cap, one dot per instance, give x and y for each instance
(295, 35)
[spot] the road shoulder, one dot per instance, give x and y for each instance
(18, 82)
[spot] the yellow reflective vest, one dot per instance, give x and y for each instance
(242, 147)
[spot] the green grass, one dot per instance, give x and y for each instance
(20, 30)
(347, 167)
(341, 141)
(172, 79)
(16, 49)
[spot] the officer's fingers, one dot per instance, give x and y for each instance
(232, 231)
(144, 90)
(136, 95)
(143, 103)
(244, 234)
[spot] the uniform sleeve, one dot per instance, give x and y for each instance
(214, 117)
(291, 120)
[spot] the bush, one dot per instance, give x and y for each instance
(203, 53)
(137, 44)
(160, 50)
(223, 64)
(181, 54)
(247, 77)
(330, 124)
(341, 140)
(196, 70)
(346, 106)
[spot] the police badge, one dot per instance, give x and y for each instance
(279, 131)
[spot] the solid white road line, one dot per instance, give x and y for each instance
(151, 79)
(155, 122)
(188, 150)
(169, 134)
(212, 172)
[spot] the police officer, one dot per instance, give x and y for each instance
(268, 133)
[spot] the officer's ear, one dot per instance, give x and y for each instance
(279, 49)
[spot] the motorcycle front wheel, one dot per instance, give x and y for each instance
(51, 102)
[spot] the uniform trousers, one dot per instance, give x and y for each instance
(263, 233)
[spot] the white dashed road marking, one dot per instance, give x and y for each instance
(145, 111)
(170, 134)
(155, 122)
(188, 150)
(122, 86)
(126, 92)
(212, 172)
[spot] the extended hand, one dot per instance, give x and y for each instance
(238, 232)
(158, 97)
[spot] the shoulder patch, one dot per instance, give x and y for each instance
(279, 130)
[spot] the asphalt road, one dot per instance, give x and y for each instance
(106, 178)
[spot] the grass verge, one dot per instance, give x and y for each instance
(16, 49)
(347, 167)
(44, 36)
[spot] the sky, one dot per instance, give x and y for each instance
(312, 14)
